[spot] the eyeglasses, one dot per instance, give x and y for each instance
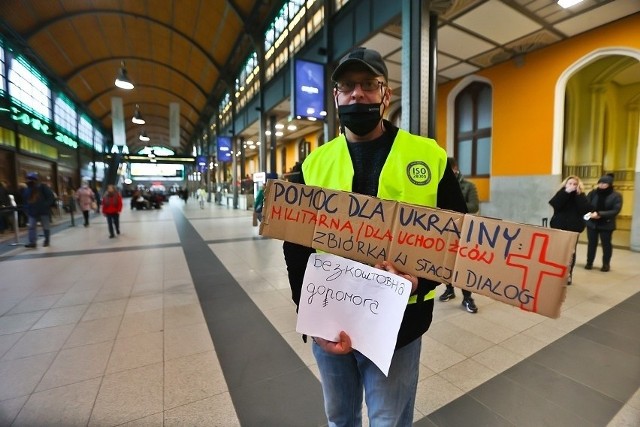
(366, 86)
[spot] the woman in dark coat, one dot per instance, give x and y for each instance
(569, 207)
(606, 204)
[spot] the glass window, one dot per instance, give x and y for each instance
(98, 140)
(338, 4)
(484, 108)
(473, 115)
(464, 156)
(85, 131)
(289, 31)
(28, 88)
(65, 115)
(3, 78)
(465, 112)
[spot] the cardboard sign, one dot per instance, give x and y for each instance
(487, 256)
(521, 265)
(339, 294)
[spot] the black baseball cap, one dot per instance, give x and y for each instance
(369, 59)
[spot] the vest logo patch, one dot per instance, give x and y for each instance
(419, 173)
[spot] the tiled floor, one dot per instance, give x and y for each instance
(185, 319)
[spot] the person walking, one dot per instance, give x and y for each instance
(96, 196)
(470, 194)
(569, 205)
(38, 198)
(606, 204)
(373, 157)
(86, 199)
(5, 207)
(201, 194)
(111, 208)
(258, 205)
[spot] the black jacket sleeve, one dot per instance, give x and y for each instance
(559, 199)
(296, 257)
(449, 193)
(449, 197)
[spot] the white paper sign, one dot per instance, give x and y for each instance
(339, 294)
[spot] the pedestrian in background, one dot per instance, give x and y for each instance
(201, 194)
(606, 204)
(5, 206)
(570, 204)
(86, 200)
(111, 208)
(98, 201)
(38, 198)
(470, 194)
(258, 205)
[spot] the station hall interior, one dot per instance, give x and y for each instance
(186, 318)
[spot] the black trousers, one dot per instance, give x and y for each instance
(113, 220)
(465, 293)
(607, 249)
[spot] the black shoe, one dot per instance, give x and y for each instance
(111, 236)
(46, 243)
(30, 245)
(605, 268)
(447, 295)
(588, 266)
(118, 231)
(469, 305)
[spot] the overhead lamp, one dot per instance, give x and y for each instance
(568, 3)
(143, 136)
(137, 117)
(122, 81)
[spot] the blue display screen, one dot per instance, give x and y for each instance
(308, 90)
(224, 149)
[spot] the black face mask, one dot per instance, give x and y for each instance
(360, 118)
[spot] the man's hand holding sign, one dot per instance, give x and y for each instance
(346, 305)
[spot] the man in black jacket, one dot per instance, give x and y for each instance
(606, 204)
(38, 199)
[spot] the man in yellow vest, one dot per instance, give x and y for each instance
(373, 157)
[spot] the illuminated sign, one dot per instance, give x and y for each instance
(39, 125)
(224, 149)
(201, 162)
(308, 90)
(157, 170)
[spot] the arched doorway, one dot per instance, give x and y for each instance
(597, 129)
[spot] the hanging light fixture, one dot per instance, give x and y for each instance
(143, 136)
(568, 3)
(137, 117)
(122, 81)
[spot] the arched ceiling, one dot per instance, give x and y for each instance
(185, 51)
(189, 51)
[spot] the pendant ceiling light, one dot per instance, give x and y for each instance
(568, 3)
(143, 136)
(122, 81)
(137, 117)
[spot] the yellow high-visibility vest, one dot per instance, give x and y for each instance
(410, 174)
